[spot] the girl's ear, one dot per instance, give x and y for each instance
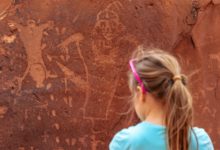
(139, 90)
(140, 93)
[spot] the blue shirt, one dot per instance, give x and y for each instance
(148, 136)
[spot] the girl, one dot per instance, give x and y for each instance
(163, 103)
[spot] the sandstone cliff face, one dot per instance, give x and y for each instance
(63, 66)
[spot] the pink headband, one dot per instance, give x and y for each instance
(137, 76)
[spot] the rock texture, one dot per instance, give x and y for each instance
(63, 66)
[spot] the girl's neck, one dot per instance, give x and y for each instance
(156, 116)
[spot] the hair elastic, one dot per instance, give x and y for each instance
(137, 76)
(177, 77)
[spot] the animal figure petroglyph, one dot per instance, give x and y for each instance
(76, 38)
(70, 75)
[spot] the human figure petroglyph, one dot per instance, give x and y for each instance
(109, 24)
(108, 32)
(108, 21)
(31, 36)
(107, 37)
(107, 28)
(45, 137)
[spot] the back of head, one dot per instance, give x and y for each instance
(161, 75)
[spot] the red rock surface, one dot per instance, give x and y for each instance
(63, 66)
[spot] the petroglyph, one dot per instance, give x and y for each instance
(107, 33)
(95, 142)
(82, 140)
(5, 6)
(70, 141)
(75, 38)
(1, 136)
(99, 38)
(71, 76)
(209, 111)
(109, 24)
(218, 131)
(107, 28)
(53, 112)
(56, 126)
(68, 100)
(21, 148)
(49, 85)
(99, 87)
(29, 148)
(8, 39)
(42, 105)
(39, 118)
(3, 111)
(57, 139)
(52, 97)
(214, 62)
(26, 114)
(115, 6)
(59, 148)
(45, 137)
(2, 51)
(31, 36)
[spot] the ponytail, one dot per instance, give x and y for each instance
(178, 115)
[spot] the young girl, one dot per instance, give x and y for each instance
(163, 103)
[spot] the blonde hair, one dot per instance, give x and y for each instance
(161, 75)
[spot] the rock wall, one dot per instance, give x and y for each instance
(63, 66)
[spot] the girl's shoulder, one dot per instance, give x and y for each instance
(204, 141)
(129, 138)
(121, 140)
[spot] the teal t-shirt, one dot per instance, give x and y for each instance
(148, 136)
